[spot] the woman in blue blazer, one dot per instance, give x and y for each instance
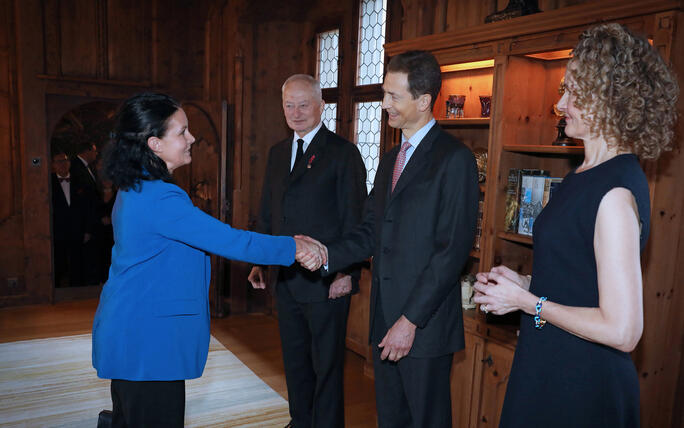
(151, 328)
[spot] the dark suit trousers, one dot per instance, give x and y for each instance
(413, 392)
(150, 404)
(313, 336)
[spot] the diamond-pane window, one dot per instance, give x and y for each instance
(328, 54)
(329, 117)
(368, 116)
(372, 37)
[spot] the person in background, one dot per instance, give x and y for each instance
(151, 328)
(315, 184)
(72, 222)
(85, 184)
(582, 305)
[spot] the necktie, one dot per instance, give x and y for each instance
(399, 163)
(300, 153)
(65, 179)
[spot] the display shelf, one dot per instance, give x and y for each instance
(466, 121)
(515, 237)
(559, 150)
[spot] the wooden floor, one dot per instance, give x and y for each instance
(252, 338)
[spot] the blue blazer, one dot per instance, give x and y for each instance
(152, 322)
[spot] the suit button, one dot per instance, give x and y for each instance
(284, 219)
(386, 250)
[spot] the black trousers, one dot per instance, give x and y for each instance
(413, 392)
(312, 336)
(148, 404)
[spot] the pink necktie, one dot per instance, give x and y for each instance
(399, 163)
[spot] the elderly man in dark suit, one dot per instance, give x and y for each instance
(314, 185)
(419, 224)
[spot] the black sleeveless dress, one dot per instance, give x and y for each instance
(558, 379)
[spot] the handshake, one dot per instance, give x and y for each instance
(310, 253)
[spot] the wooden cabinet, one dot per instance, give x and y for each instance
(526, 58)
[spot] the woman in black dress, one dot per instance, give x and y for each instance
(582, 305)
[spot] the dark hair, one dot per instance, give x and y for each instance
(83, 146)
(422, 68)
(627, 91)
(128, 158)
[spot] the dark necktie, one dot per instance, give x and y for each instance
(63, 179)
(300, 153)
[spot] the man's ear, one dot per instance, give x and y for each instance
(154, 144)
(424, 102)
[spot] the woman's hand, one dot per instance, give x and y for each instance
(501, 291)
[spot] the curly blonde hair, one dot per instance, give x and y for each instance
(627, 92)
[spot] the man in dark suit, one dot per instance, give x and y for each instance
(85, 185)
(314, 185)
(419, 224)
(72, 220)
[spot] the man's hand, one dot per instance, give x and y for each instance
(310, 253)
(256, 277)
(399, 339)
(341, 286)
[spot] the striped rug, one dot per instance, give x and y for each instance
(51, 383)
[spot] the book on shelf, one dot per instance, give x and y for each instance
(531, 195)
(514, 196)
(524, 202)
(478, 231)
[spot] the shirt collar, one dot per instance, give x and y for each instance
(308, 137)
(418, 136)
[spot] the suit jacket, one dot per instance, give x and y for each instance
(420, 237)
(152, 322)
(70, 221)
(322, 198)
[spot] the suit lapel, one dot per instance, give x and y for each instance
(416, 164)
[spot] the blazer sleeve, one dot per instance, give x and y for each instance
(357, 245)
(453, 239)
(180, 220)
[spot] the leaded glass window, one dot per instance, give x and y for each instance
(330, 116)
(328, 55)
(367, 135)
(371, 40)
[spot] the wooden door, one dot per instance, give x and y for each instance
(496, 369)
(205, 180)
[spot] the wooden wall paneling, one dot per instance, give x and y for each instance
(463, 14)
(11, 222)
(659, 355)
(127, 42)
(78, 37)
(179, 44)
(494, 176)
(32, 231)
(242, 183)
(52, 35)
